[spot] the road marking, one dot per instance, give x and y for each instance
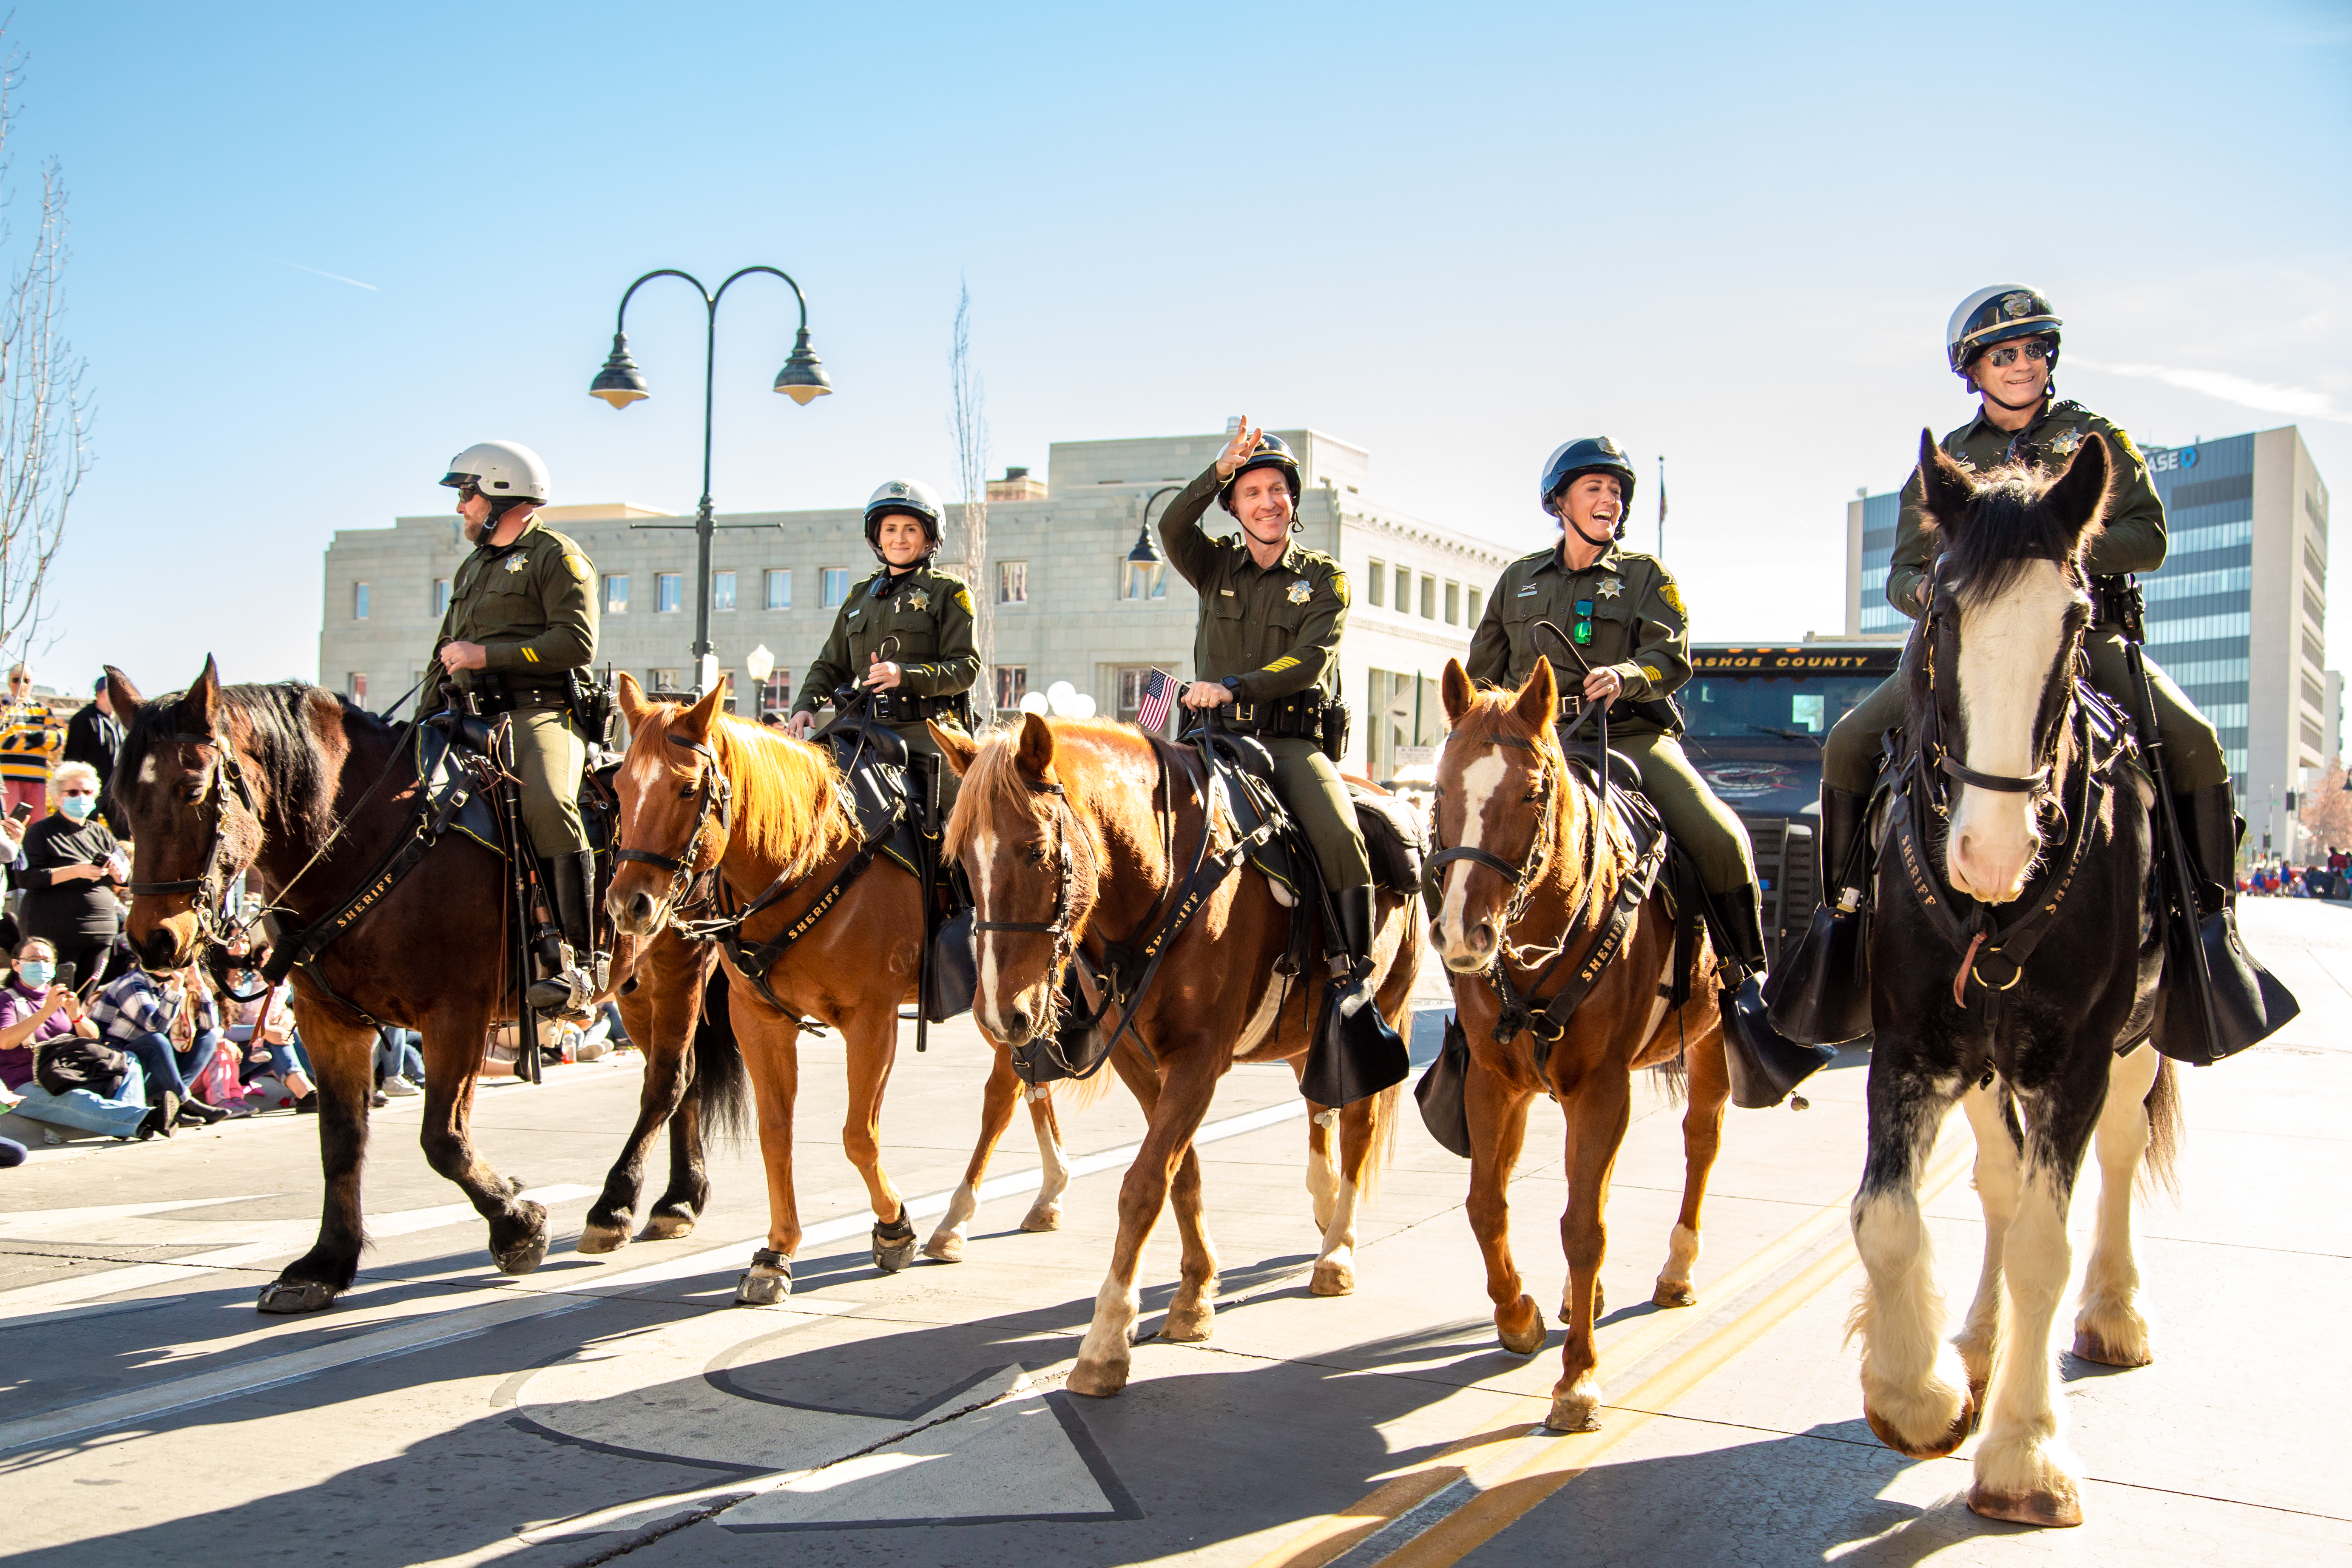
(1462, 1482)
(276, 1238)
(519, 1301)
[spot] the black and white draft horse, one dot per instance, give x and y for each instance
(2015, 957)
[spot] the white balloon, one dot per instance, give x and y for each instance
(1084, 707)
(1061, 691)
(1033, 702)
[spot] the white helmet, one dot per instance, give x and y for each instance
(501, 470)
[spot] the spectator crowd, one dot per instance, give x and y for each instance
(91, 1039)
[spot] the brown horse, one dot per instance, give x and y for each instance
(1060, 827)
(1505, 787)
(281, 783)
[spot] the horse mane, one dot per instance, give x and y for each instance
(789, 804)
(993, 778)
(2008, 527)
(277, 738)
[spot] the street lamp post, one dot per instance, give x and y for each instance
(1144, 565)
(620, 384)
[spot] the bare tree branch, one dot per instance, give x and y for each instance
(968, 423)
(45, 411)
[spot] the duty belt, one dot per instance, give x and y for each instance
(897, 708)
(1286, 718)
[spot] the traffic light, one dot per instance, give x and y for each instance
(2290, 803)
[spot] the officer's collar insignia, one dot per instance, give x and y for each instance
(516, 564)
(919, 600)
(1301, 591)
(1611, 587)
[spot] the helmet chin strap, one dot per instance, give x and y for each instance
(1605, 540)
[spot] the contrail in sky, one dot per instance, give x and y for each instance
(2265, 396)
(320, 272)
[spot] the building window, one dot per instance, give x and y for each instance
(440, 595)
(1477, 608)
(776, 696)
(617, 593)
(662, 681)
(1012, 686)
(669, 593)
(722, 590)
(359, 600)
(1404, 592)
(1013, 581)
(1379, 581)
(833, 587)
(1428, 598)
(355, 686)
(1454, 603)
(776, 588)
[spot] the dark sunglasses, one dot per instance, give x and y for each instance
(2035, 350)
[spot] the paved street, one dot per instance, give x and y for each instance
(620, 1409)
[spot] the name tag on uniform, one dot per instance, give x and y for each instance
(1528, 592)
(1228, 592)
(852, 614)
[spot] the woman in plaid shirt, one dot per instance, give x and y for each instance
(172, 1024)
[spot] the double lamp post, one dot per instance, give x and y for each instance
(620, 384)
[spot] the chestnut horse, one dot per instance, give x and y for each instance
(281, 783)
(1505, 788)
(701, 789)
(1060, 827)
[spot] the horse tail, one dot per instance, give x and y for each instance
(1672, 1077)
(722, 1086)
(1381, 1147)
(2160, 1166)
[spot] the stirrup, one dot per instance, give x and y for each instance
(566, 995)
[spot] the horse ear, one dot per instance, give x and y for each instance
(1034, 754)
(201, 700)
(1453, 689)
(1538, 701)
(2078, 497)
(124, 696)
(959, 748)
(634, 705)
(695, 722)
(1946, 487)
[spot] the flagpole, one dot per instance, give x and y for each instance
(1662, 506)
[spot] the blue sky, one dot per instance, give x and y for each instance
(1453, 234)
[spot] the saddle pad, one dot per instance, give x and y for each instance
(477, 818)
(1395, 837)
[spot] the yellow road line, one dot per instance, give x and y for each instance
(1332, 1536)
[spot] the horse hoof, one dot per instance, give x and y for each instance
(1577, 1410)
(2092, 1345)
(1096, 1381)
(285, 1297)
(1333, 1279)
(1525, 1341)
(890, 1256)
(759, 1290)
(600, 1236)
(947, 1246)
(661, 1226)
(2048, 1509)
(1043, 1216)
(1954, 1436)
(1673, 1293)
(1188, 1325)
(522, 1258)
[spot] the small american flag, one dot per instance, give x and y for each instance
(1159, 692)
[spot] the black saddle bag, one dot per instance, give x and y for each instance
(953, 975)
(1820, 994)
(1445, 1110)
(2249, 1005)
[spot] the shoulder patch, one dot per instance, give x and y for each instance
(577, 564)
(1672, 595)
(2122, 438)
(1340, 586)
(963, 600)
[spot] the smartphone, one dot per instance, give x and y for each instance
(21, 812)
(66, 975)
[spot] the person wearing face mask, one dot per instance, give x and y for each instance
(904, 634)
(1265, 658)
(33, 1010)
(1614, 626)
(72, 866)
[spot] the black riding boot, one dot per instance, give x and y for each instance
(566, 994)
(1765, 1064)
(2210, 827)
(1355, 1054)
(1819, 993)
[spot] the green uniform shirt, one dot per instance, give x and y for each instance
(928, 612)
(1274, 631)
(1629, 599)
(2134, 540)
(531, 604)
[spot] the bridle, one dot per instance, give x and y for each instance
(1940, 627)
(1062, 928)
(1523, 877)
(714, 796)
(210, 885)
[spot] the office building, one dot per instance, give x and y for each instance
(1065, 601)
(2237, 615)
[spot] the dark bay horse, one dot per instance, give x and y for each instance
(1071, 833)
(268, 780)
(1505, 788)
(2015, 957)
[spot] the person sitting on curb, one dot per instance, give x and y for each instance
(146, 1016)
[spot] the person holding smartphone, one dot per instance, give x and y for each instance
(33, 1010)
(71, 861)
